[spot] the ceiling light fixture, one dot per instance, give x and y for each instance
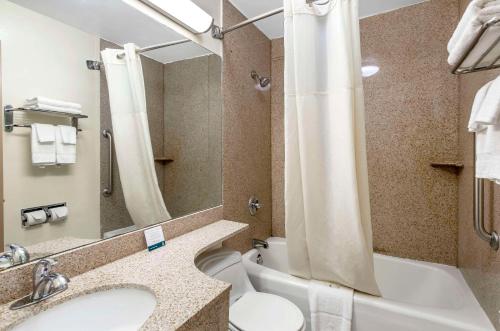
(183, 12)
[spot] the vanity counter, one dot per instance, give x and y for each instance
(186, 298)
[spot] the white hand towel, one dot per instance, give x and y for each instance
(331, 306)
(474, 125)
(65, 144)
(43, 146)
(52, 108)
(477, 13)
(53, 102)
(490, 107)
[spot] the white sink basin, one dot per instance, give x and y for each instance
(121, 309)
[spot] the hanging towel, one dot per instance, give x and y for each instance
(474, 125)
(134, 153)
(485, 122)
(43, 146)
(53, 102)
(331, 306)
(490, 107)
(477, 13)
(65, 144)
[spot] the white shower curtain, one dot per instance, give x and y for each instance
(134, 153)
(328, 226)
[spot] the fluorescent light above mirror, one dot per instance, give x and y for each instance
(183, 12)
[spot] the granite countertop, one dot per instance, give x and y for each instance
(169, 272)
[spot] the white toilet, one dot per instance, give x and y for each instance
(250, 310)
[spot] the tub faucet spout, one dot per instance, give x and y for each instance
(257, 243)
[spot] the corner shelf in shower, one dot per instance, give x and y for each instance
(163, 159)
(447, 164)
(475, 67)
(450, 166)
(9, 124)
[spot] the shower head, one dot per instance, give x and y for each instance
(94, 65)
(263, 83)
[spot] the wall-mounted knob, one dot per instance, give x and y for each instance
(253, 205)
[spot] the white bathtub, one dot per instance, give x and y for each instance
(416, 296)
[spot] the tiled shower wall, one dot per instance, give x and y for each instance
(193, 134)
(247, 129)
(411, 120)
(479, 264)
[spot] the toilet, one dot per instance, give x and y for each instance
(249, 310)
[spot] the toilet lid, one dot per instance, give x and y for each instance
(256, 311)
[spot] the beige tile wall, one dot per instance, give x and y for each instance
(247, 128)
(411, 120)
(479, 264)
(193, 134)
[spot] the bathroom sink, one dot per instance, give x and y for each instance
(123, 309)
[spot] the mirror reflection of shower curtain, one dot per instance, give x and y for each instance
(133, 148)
(327, 208)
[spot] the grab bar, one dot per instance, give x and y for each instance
(108, 190)
(492, 238)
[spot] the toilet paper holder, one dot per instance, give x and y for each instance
(24, 218)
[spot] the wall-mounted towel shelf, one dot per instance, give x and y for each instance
(477, 66)
(9, 124)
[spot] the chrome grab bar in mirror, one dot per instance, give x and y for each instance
(108, 190)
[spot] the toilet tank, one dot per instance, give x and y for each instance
(225, 265)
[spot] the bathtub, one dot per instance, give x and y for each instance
(416, 296)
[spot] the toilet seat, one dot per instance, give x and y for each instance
(257, 311)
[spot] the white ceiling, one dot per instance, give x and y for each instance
(273, 27)
(116, 21)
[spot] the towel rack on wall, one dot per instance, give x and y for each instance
(457, 69)
(491, 237)
(9, 124)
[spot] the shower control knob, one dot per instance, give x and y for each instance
(253, 205)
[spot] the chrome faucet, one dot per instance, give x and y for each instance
(17, 255)
(257, 243)
(46, 284)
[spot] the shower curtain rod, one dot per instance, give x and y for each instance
(219, 32)
(157, 46)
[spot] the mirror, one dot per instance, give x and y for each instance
(83, 193)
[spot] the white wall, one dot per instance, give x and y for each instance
(41, 56)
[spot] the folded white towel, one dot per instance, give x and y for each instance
(65, 144)
(53, 102)
(477, 13)
(52, 108)
(331, 306)
(43, 146)
(474, 125)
